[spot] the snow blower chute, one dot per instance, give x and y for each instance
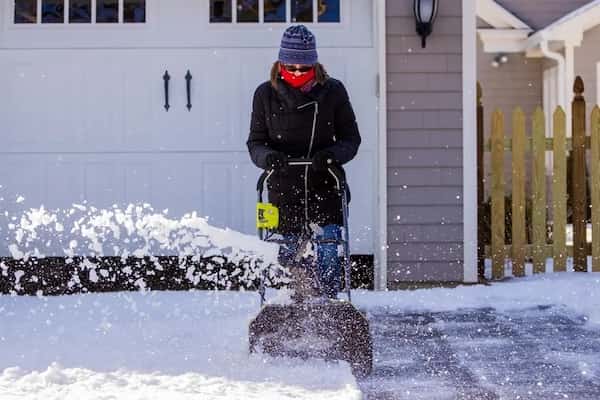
(312, 326)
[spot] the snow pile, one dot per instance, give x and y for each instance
(577, 291)
(137, 232)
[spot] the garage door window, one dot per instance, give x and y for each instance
(79, 11)
(273, 11)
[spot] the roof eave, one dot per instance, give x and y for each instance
(504, 40)
(570, 28)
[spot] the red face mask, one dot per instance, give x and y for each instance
(297, 81)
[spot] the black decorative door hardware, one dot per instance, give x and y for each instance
(188, 80)
(166, 79)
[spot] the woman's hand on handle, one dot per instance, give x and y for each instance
(276, 160)
(322, 160)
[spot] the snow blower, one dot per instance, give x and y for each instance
(312, 325)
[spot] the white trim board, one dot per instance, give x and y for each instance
(380, 250)
(469, 77)
(598, 84)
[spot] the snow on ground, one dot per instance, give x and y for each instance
(184, 345)
(154, 345)
(577, 291)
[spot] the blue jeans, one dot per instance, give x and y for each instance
(328, 262)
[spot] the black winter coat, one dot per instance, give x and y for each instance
(282, 120)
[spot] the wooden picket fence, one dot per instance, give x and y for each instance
(538, 246)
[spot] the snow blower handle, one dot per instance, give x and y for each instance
(335, 171)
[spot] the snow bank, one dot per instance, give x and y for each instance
(578, 291)
(137, 230)
(134, 233)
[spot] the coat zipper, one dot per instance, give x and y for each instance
(312, 138)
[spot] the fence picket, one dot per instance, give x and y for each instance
(595, 178)
(538, 185)
(497, 194)
(578, 179)
(559, 191)
(569, 162)
(518, 193)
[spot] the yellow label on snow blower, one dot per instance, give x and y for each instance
(267, 216)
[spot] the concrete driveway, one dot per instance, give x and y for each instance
(545, 352)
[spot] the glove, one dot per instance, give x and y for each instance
(322, 159)
(276, 160)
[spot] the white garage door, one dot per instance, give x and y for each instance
(83, 106)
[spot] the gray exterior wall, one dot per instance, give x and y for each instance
(540, 13)
(424, 89)
(587, 58)
(519, 82)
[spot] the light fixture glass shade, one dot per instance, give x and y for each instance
(425, 13)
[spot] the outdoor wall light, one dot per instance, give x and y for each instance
(425, 13)
(499, 60)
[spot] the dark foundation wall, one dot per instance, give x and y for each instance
(424, 92)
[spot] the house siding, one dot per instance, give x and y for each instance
(587, 58)
(540, 13)
(424, 92)
(518, 83)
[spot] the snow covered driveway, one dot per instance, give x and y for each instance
(540, 353)
(532, 338)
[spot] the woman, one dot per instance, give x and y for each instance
(303, 113)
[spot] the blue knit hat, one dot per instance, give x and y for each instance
(298, 46)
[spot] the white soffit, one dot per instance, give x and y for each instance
(503, 40)
(508, 33)
(571, 27)
(498, 16)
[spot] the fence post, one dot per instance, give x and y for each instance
(518, 193)
(559, 190)
(538, 204)
(480, 187)
(497, 194)
(595, 172)
(578, 178)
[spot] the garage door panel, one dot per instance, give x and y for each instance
(22, 176)
(42, 113)
(143, 101)
(138, 180)
(66, 177)
(217, 192)
(185, 23)
(219, 87)
(104, 182)
(247, 178)
(103, 105)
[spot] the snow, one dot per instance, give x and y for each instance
(189, 345)
(578, 291)
(150, 345)
(184, 345)
(135, 229)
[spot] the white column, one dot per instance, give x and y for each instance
(569, 81)
(469, 77)
(381, 247)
